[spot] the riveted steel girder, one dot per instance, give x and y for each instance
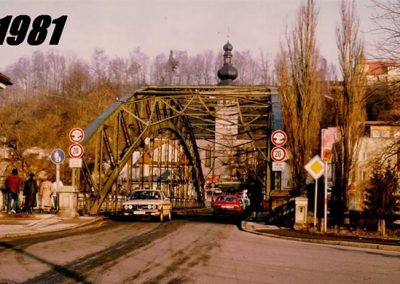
(189, 113)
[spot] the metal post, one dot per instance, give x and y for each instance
(315, 202)
(326, 197)
(268, 182)
(57, 186)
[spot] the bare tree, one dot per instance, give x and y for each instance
(209, 77)
(248, 67)
(386, 18)
(157, 76)
(57, 67)
(139, 66)
(353, 92)
(22, 75)
(298, 77)
(98, 66)
(266, 74)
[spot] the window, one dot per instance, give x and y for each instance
(386, 133)
(375, 133)
(363, 156)
(363, 175)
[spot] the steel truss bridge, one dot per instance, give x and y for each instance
(176, 138)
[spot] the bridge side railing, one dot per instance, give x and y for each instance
(113, 204)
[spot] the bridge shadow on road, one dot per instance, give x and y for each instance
(63, 270)
(204, 216)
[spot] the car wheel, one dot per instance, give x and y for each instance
(161, 216)
(169, 215)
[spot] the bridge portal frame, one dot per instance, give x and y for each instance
(123, 128)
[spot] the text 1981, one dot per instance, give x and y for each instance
(15, 31)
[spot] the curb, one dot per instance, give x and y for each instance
(244, 227)
(190, 211)
(53, 230)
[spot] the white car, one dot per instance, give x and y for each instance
(148, 202)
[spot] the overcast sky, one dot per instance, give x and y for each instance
(157, 26)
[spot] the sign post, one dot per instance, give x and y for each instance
(75, 151)
(326, 197)
(278, 154)
(316, 168)
(279, 137)
(76, 136)
(57, 156)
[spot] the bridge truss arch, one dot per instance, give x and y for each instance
(234, 120)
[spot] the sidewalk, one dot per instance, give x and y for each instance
(21, 224)
(329, 238)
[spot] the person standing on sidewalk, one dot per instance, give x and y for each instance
(4, 195)
(55, 193)
(255, 194)
(13, 184)
(30, 191)
(45, 195)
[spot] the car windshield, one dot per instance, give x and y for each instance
(230, 199)
(145, 194)
(226, 198)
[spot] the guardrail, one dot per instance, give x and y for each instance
(370, 221)
(110, 204)
(113, 204)
(181, 203)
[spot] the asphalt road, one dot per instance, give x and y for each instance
(192, 249)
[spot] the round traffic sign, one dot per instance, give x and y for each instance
(279, 137)
(75, 150)
(76, 135)
(57, 156)
(278, 154)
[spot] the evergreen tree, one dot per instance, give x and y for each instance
(380, 197)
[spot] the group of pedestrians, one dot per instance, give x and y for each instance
(46, 194)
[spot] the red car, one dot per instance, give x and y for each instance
(228, 204)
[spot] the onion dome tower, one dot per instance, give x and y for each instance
(228, 72)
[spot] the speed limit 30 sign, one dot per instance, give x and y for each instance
(278, 154)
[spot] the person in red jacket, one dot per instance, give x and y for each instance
(13, 184)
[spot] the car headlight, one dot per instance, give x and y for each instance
(130, 207)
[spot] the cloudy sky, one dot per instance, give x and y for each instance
(157, 26)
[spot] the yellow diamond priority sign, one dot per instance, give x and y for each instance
(315, 167)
